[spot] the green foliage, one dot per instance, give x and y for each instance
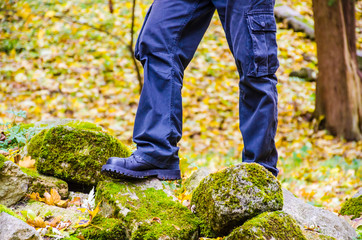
(17, 134)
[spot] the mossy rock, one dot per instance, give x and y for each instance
(74, 152)
(10, 212)
(147, 210)
(226, 199)
(42, 210)
(268, 225)
(352, 207)
(2, 160)
(40, 183)
(103, 229)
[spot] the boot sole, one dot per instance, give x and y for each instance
(122, 173)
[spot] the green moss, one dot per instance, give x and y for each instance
(75, 152)
(84, 125)
(177, 222)
(268, 225)
(352, 207)
(212, 186)
(10, 212)
(30, 172)
(2, 160)
(103, 229)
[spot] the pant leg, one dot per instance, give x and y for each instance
(167, 42)
(251, 33)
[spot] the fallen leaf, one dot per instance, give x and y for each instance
(156, 219)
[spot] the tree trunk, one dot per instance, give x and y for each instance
(339, 93)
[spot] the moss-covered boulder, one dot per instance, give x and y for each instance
(352, 207)
(226, 199)
(147, 210)
(75, 151)
(40, 183)
(268, 225)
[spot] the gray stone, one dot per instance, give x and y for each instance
(194, 180)
(226, 199)
(146, 208)
(41, 209)
(14, 184)
(268, 225)
(12, 228)
(326, 222)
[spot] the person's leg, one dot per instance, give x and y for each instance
(251, 33)
(166, 44)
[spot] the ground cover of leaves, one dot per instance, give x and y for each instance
(54, 63)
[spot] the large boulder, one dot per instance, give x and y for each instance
(11, 228)
(324, 221)
(147, 209)
(75, 151)
(353, 206)
(14, 183)
(226, 199)
(268, 225)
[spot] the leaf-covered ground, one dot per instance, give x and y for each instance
(56, 64)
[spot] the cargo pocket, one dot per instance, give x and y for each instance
(262, 29)
(137, 48)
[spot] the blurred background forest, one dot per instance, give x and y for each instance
(71, 59)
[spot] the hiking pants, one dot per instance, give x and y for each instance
(169, 37)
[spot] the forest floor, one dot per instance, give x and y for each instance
(54, 65)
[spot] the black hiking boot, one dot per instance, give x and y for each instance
(134, 167)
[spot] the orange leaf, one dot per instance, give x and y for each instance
(48, 198)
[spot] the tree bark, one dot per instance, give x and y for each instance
(338, 93)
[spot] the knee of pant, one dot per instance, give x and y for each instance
(150, 43)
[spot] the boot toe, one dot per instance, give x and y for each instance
(116, 161)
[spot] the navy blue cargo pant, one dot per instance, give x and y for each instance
(166, 44)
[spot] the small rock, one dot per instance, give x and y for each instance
(14, 184)
(305, 73)
(40, 183)
(226, 199)
(12, 228)
(146, 210)
(268, 225)
(326, 222)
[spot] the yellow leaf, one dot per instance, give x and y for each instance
(50, 14)
(82, 222)
(94, 212)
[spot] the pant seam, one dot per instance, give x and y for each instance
(173, 71)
